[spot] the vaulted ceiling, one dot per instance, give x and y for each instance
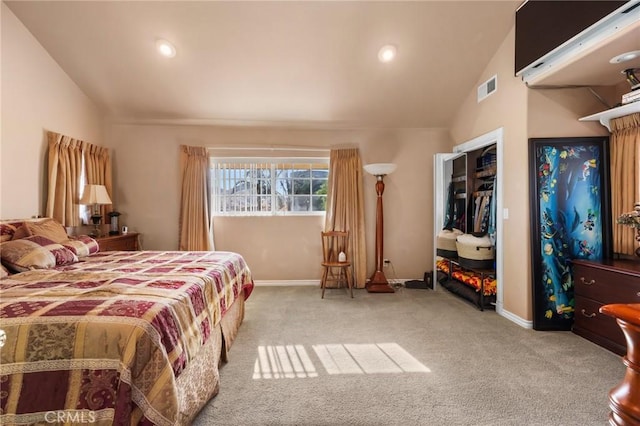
(302, 62)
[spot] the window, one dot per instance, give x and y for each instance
(269, 186)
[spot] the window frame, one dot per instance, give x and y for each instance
(274, 163)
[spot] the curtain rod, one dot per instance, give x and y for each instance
(268, 149)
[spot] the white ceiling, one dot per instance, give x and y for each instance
(304, 62)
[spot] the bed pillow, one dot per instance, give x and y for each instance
(48, 228)
(7, 230)
(21, 232)
(35, 252)
(3, 271)
(82, 245)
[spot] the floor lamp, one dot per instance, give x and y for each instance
(378, 282)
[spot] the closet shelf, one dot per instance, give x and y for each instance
(486, 173)
(458, 179)
(605, 117)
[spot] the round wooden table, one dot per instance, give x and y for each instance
(624, 399)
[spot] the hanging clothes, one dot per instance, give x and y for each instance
(450, 215)
(481, 221)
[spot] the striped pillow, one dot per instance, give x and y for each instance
(82, 245)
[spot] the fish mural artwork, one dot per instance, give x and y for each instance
(569, 217)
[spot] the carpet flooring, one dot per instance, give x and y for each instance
(415, 357)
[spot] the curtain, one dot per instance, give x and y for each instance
(194, 208)
(345, 206)
(98, 166)
(65, 172)
(625, 178)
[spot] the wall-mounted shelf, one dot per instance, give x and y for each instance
(605, 117)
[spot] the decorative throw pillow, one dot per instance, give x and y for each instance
(82, 245)
(35, 252)
(48, 228)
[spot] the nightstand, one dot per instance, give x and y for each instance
(120, 242)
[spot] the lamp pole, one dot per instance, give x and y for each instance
(378, 282)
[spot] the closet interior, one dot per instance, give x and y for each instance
(465, 246)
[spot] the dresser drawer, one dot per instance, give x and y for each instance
(606, 286)
(589, 319)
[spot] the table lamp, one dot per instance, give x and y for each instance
(95, 195)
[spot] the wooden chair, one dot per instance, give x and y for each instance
(333, 243)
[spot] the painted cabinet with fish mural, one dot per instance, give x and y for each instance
(570, 219)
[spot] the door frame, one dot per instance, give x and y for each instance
(493, 137)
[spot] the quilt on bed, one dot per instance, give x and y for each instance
(105, 338)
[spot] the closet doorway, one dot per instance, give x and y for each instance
(444, 173)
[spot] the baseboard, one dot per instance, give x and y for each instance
(515, 318)
(290, 283)
(286, 283)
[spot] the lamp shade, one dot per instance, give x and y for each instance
(380, 169)
(95, 194)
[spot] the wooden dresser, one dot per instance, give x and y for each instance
(599, 283)
(120, 242)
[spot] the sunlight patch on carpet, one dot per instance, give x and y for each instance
(293, 361)
(278, 362)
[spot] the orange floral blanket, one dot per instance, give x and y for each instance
(470, 278)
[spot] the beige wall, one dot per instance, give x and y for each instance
(555, 113)
(523, 113)
(36, 96)
(506, 108)
(147, 192)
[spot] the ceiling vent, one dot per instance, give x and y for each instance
(487, 88)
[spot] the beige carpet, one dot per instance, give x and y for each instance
(416, 357)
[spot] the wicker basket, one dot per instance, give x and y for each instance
(475, 252)
(446, 243)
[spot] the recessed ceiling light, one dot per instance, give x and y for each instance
(624, 57)
(387, 53)
(165, 48)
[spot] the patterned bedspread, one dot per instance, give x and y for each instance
(104, 339)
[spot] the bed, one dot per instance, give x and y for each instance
(116, 337)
